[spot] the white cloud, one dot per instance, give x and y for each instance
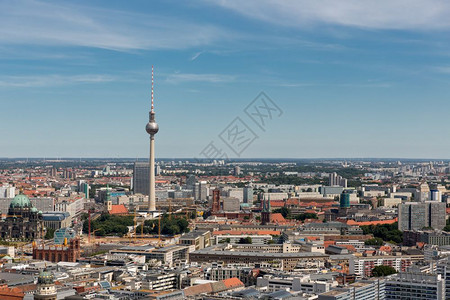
(196, 55)
(442, 69)
(26, 22)
(210, 78)
(378, 14)
(52, 80)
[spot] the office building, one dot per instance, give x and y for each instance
(7, 191)
(419, 215)
(141, 178)
(336, 180)
(248, 194)
(363, 266)
(373, 289)
(415, 286)
(443, 269)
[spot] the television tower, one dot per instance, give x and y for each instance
(152, 128)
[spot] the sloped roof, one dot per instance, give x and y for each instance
(118, 209)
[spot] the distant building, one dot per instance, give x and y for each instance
(430, 237)
(141, 178)
(360, 290)
(248, 194)
(336, 180)
(7, 191)
(237, 171)
(362, 266)
(23, 220)
(443, 268)
(46, 289)
(415, 286)
(56, 220)
(68, 251)
(419, 215)
(200, 238)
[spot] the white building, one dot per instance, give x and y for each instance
(415, 286)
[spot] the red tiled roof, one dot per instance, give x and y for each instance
(118, 209)
(233, 283)
(277, 218)
(353, 222)
(277, 203)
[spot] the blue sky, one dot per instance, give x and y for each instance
(353, 78)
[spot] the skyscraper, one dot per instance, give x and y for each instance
(141, 178)
(152, 128)
(417, 215)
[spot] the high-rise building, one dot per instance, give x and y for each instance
(423, 192)
(7, 191)
(141, 178)
(152, 128)
(336, 180)
(248, 194)
(415, 286)
(419, 215)
(83, 187)
(237, 171)
(443, 268)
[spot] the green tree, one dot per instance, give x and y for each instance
(247, 240)
(374, 242)
(380, 271)
(304, 216)
(49, 234)
(387, 232)
(284, 211)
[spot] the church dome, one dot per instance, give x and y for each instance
(45, 278)
(20, 201)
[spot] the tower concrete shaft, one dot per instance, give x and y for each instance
(151, 196)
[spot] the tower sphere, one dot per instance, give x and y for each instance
(152, 127)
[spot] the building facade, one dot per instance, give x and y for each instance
(23, 220)
(420, 215)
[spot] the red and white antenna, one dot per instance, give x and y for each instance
(152, 89)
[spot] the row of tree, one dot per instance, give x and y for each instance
(287, 214)
(386, 232)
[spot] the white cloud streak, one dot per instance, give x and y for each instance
(366, 14)
(52, 80)
(25, 22)
(209, 78)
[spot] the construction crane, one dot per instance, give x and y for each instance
(93, 232)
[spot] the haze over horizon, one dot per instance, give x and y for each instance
(352, 79)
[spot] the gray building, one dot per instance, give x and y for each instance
(141, 178)
(443, 268)
(42, 204)
(248, 194)
(361, 290)
(419, 215)
(415, 286)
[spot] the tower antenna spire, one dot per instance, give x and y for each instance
(152, 110)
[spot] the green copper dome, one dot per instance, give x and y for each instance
(20, 201)
(33, 209)
(45, 278)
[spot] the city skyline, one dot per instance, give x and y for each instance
(349, 85)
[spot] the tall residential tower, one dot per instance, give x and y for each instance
(152, 128)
